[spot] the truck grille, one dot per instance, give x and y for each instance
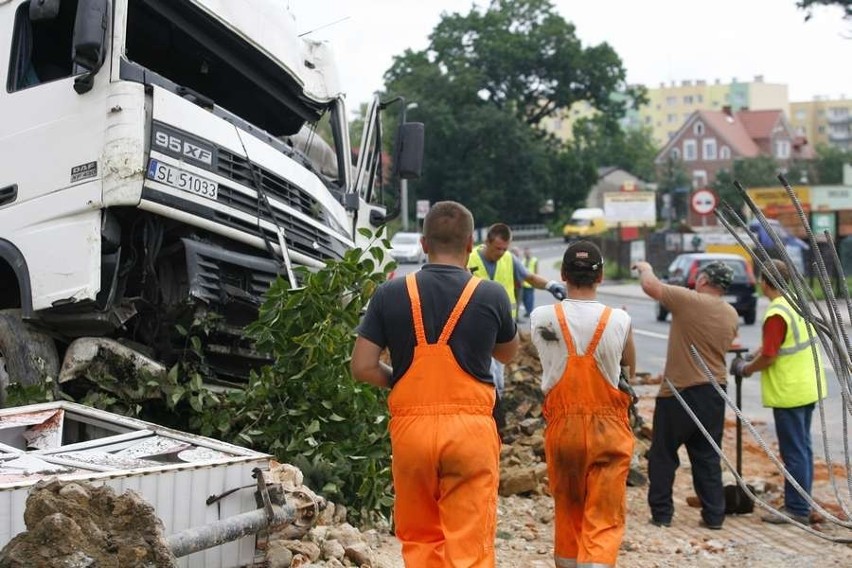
(238, 169)
(301, 237)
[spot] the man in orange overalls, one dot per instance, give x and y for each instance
(583, 345)
(442, 326)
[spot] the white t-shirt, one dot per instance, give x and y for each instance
(582, 318)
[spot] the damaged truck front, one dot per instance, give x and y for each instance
(161, 159)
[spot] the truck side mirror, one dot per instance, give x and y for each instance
(409, 158)
(43, 10)
(89, 51)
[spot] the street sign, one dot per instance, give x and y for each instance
(703, 201)
(821, 222)
(630, 208)
(422, 208)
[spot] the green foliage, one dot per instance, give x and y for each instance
(761, 171)
(483, 86)
(809, 5)
(829, 164)
(305, 408)
(603, 142)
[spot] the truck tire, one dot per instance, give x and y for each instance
(27, 356)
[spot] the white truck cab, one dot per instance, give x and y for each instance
(163, 156)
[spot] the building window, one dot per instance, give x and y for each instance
(838, 112)
(699, 99)
(671, 118)
(782, 149)
(724, 153)
(801, 114)
(675, 154)
(690, 150)
(698, 129)
(821, 129)
(687, 99)
(671, 101)
(708, 149)
(648, 120)
(699, 178)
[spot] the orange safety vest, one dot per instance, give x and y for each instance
(446, 452)
(588, 446)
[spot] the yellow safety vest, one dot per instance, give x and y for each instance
(531, 264)
(504, 273)
(791, 380)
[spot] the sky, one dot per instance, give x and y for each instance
(659, 41)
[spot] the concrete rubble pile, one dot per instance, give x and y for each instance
(78, 525)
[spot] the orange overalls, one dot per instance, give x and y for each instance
(446, 453)
(588, 446)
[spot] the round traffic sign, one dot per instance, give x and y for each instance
(703, 201)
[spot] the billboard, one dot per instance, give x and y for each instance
(630, 208)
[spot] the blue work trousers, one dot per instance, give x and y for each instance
(793, 427)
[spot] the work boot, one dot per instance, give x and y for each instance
(659, 522)
(712, 526)
(776, 519)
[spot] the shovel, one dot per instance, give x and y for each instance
(737, 501)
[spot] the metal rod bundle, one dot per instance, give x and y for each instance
(830, 333)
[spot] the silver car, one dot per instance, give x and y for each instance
(405, 247)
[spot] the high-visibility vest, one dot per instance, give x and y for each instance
(504, 273)
(791, 380)
(531, 264)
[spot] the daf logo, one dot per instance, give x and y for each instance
(176, 144)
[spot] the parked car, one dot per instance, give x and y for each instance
(405, 247)
(683, 271)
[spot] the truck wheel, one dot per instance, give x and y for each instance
(27, 356)
(662, 313)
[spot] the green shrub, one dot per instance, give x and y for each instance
(305, 408)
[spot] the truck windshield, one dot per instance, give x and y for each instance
(207, 61)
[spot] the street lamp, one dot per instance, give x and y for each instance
(403, 183)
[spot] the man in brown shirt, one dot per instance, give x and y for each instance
(702, 318)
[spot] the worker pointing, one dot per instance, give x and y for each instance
(442, 327)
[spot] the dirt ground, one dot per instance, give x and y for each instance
(525, 519)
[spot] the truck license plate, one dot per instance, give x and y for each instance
(179, 179)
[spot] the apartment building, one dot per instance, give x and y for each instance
(823, 121)
(671, 105)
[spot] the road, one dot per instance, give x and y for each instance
(651, 338)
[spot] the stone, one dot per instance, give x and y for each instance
(359, 554)
(332, 549)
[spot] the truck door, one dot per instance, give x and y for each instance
(50, 147)
(371, 212)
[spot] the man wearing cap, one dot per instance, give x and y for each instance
(790, 384)
(703, 319)
(583, 345)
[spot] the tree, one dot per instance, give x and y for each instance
(606, 143)
(809, 5)
(829, 164)
(483, 86)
